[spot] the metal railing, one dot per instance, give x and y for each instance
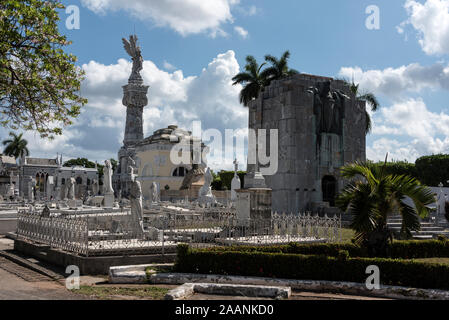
(160, 233)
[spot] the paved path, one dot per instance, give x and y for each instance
(18, 283)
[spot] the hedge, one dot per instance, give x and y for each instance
(402, 249)
(311, 267)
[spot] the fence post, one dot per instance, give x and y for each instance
(87, 236)
(51, 232)
(340, 231)
(163, 236)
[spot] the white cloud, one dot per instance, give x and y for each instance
(431, 21)
(426, 132)
(168, 66)
(173, 99)
(241, 32)
(396, 150)
(185, 17)
(394, 82)
(248, 11)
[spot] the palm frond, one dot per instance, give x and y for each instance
(371, 99)
(368, 127)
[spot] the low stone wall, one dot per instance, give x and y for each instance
(87, 265)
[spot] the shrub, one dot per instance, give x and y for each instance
(343, 255)
(403, 249)
(312, 267)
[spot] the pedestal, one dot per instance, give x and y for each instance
(74, 204)
(108, 200)
(253, 204)
(255, 180)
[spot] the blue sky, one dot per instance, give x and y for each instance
(193, 48)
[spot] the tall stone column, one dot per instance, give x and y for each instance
(134, 99)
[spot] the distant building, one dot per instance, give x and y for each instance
(152, 158)
(50, 177)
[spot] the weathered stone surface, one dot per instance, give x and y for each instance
(188, 289)
(306, 154)
(394, 292)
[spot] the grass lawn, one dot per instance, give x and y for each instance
(347, 235)
(434, 260)
(106, 292)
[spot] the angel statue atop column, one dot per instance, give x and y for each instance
(133, 50)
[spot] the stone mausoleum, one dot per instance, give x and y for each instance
(321, 126)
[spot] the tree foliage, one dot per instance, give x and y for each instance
(254, 79)
(369, 97)
(89, 164)
(433, 169)
(373, 195)
(39, 82)
(16, 146)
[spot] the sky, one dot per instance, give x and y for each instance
(193, 48)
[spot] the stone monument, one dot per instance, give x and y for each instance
(136, 203)
(441, 201)
(205, 195)
(321, 126)
(235, 183)
(154, 193)
(107, 185)
(71, 188)
(135, 99)
(50, 187)
(95, 187)
(31, 186)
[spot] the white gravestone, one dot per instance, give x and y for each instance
(235, 183)
(107, 185)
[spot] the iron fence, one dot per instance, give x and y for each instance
(123, 234)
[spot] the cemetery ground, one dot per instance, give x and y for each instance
(19, 282)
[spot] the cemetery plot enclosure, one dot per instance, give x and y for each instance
(119, 234)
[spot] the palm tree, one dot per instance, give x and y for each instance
(372, 199)
(253, 80)
(279, 67)
(16, 147)
(370, 98)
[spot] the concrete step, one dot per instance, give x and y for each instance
(426, 229)
(423, 237)
(444, 233)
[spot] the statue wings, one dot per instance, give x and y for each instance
(131, 46)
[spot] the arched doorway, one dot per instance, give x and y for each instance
(329, 189)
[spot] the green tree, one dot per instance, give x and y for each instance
(279, 67)
(433, 169)
(373, 195)
(83, 162)
(16, 146)
(370, 98)
(39, 82)
(252, 79)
